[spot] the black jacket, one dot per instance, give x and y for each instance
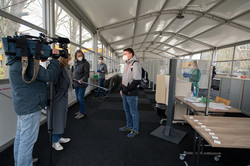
(81, 72)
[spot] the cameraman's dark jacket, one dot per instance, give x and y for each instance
(81, 72)
(131, 77)
(29, 98)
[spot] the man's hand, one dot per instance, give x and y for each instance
(80, 81)
(55, 51)
(121, 93)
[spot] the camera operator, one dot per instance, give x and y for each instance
(28, 100)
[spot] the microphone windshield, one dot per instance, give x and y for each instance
(63, 40)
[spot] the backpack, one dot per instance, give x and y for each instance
(144, 77)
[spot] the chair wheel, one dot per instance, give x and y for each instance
(182, 156)
(217, 158)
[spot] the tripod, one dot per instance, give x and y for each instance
(50, 122)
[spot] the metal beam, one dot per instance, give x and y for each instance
(162, 8)
(164, 33)
(221, 47)
(164, 44)
(171, 21)
(154, 54)
(137, 14)
(211, 16)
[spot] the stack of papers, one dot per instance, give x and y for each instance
(219, 106)
(193, 99)
(199, 104)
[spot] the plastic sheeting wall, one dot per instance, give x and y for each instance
(203, 65)
(154, 67)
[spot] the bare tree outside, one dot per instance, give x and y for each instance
(20, 9)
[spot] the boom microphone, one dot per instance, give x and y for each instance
(63, 40)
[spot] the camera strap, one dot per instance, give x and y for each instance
(25, 62)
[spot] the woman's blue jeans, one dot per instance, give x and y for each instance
(80, 98)
(56, 137)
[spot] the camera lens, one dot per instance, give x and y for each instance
(63, 53)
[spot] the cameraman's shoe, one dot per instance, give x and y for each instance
(35, 161)
(79, 116)
(57, 146)
(64, 140)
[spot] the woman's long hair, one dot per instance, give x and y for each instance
(64, 61)
(79, 51)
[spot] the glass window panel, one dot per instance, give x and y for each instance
(196, 56)
(29, 10)
(224, 54)
(109, 53)
(109, 65)
(104, 50)
(186, 57)
(72, 49)
(223, 68)
(8, 28)
(66, 26)
(87, 39)
(89, 57)
(242, 52)
(206, 55)
(99, 47)
(241, 67)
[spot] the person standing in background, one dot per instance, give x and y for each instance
(80, 75)
(102, 70)
(129, 92)
(194, 76)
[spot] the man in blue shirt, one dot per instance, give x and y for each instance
(102, 70)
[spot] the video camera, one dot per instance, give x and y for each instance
(63, 43)
(31, 46)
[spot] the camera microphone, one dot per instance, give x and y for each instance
(63, 40)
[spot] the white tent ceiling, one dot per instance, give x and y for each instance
(152, 26)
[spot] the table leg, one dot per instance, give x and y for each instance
(199, 150)
(194, 146)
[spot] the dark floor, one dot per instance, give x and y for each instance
(96, 140)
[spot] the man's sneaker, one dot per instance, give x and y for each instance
(132, 134)
(105, 96)
(64, 140)
(125, 128)
(77, 113)
(57, 146)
